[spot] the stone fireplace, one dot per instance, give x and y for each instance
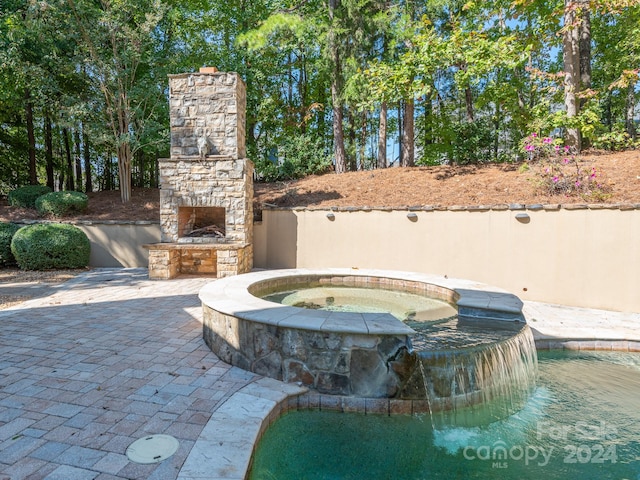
(206, 187)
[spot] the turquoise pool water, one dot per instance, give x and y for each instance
(582, 422)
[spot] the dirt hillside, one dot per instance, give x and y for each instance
(393, 187)
(450, 185)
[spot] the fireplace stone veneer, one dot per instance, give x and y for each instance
(206, 187)
(215, 183)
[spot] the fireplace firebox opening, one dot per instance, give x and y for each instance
(201, 222)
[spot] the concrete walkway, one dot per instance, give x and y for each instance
(110, 357)
(573, 328)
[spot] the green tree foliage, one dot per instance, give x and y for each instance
(303, 155)
(120, 40)
(616, 72)
(367, 83)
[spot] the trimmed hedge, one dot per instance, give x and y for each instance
(7, 231)
(61, 203)
(26, 196)
(47, 246)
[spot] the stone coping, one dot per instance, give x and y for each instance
(425, 208)
(574, 328)
(89, 222)
(588, 345)
(467, 208)
(232, 296)
(226, 444)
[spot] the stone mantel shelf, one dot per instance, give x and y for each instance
(195, 246)
(192, 158)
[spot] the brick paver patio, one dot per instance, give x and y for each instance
(106, 359)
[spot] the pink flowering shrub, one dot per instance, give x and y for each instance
(560, 171)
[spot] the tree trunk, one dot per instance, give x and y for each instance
(141, 168)
(585, 47)
(571, 60)
(302, 89)
(427, 129)
(585, 57)
(156, 171)
(108, 174)
(382, 137)
(400, 133)
(497, 121)
(363, 142)
(61, 180)
(88, 183)
(61, 176)
(408, 134)
(48, 151)
(468, 102)
(28, 111)
(351, 137)
(336, 90)
(78, 186)
(69, 162)
(630, 111)
(124, 149)
(338, 133)
(290, 86)
(607, 113)
(124, 172)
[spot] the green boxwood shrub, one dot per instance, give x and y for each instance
(59, 204)
(7, 230)
(47, 246)
(26, 196)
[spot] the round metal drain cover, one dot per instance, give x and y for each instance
(152, 449)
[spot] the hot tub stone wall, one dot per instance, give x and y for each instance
(366, 355)
(330, 362)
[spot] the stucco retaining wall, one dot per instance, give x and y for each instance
(586, 255)
(120, 244)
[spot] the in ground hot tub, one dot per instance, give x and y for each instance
(471, 347)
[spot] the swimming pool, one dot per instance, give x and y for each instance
(582, 422)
